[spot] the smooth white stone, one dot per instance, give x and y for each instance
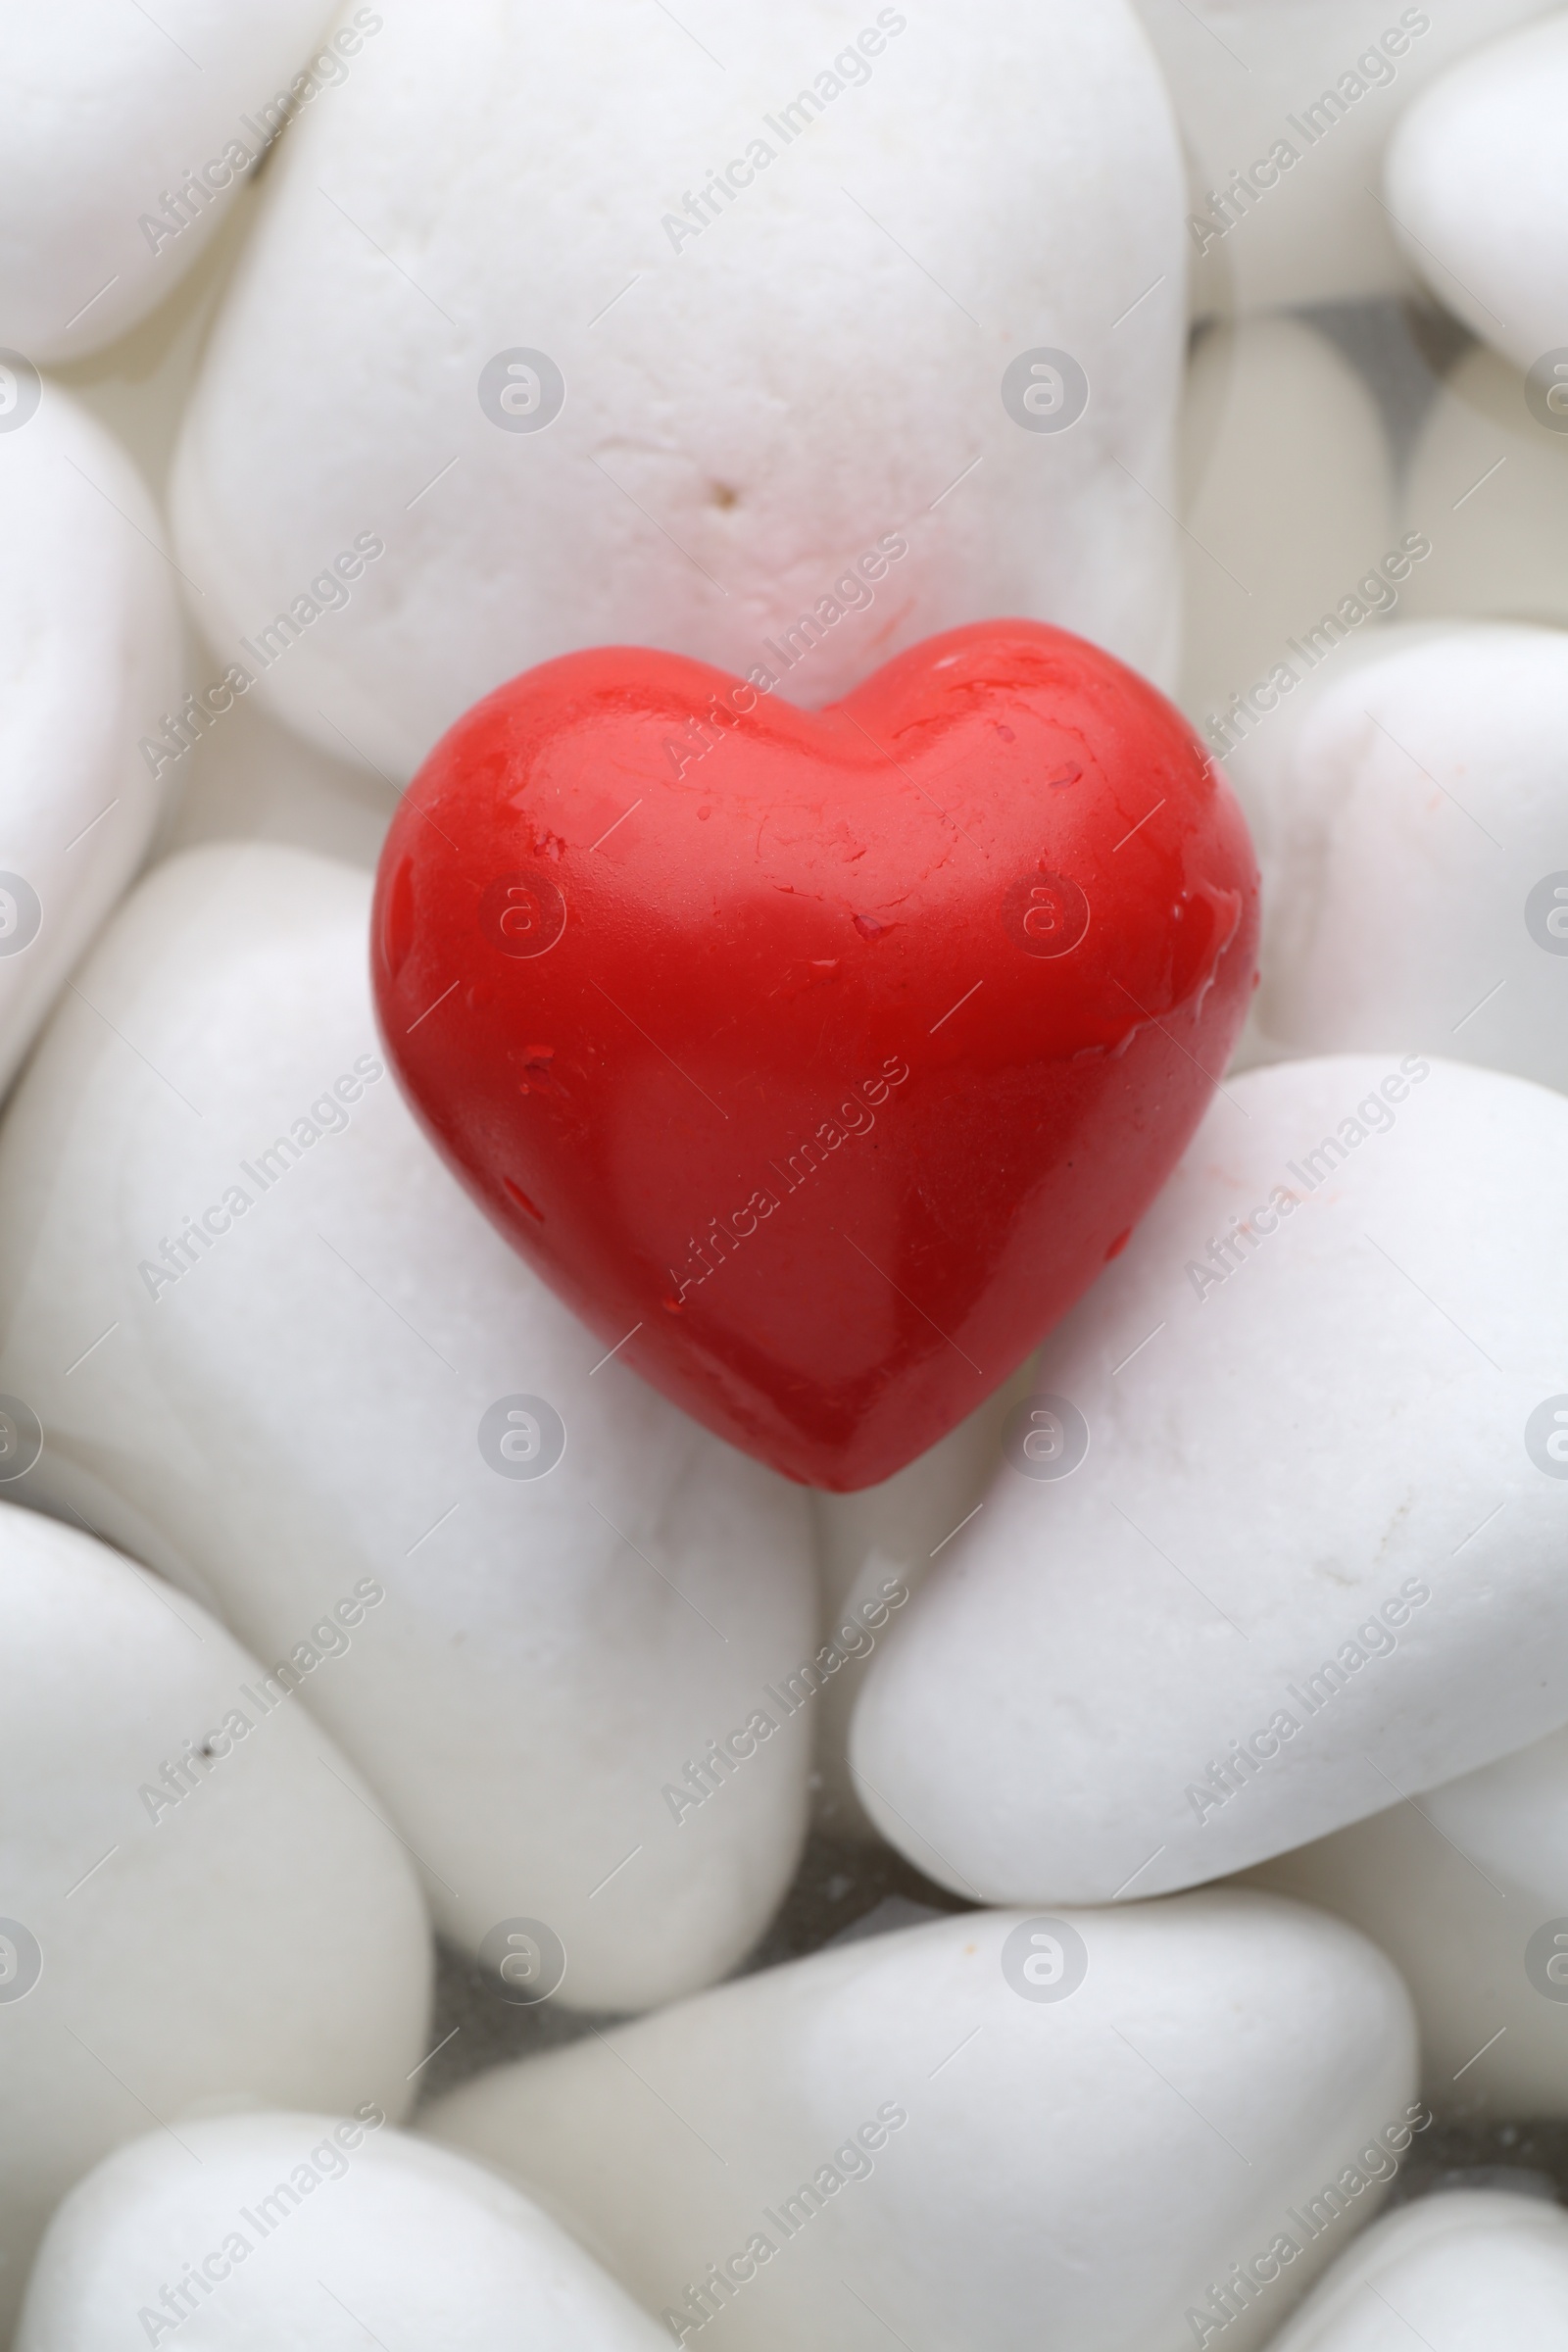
(1471, 2270)
(246, 777)
(1239, 70)
(391, 2241)
(1287, 498)
(1340, 1418)
(1467, 1893)
(89, 659)
(1410, 812)
(744, 416)
(1489, 485)
(259, 1938)
(105, 111)
(302, 1410)
(1220, 2058)
(1477, 182)
(876, 1548)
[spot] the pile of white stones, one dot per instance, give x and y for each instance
(1236, 1763)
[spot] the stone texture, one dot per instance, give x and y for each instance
(1313, 1508)
(201, 1906)
(751, 407)
(930, 2148)
(291, 1399)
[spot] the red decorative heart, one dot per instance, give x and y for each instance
(818, 1059)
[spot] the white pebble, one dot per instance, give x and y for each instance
(317, 2230)
(1290, 1541)
(793, 407)
(201, 1906)
(124, 135)
(1471, 2270)
(1468, 1895)
(1477, 182)
(955, 2134)
(123, 140)
(1411, 816)
(89, 659)
(1285, 111)
(317, 1393)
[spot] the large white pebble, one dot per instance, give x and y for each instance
(1311, 91)
(1287, 498)
(1411, 816)
(309, 2231)
(1477, 182)
(89, 659)
(1489, 486)
(753, 407)
(243, 777)
(1329, 1461)
(951, 2135)
(1467, 1890)
(124, 133)
(303, 1409)
(200, 1904)
(1469, 2270)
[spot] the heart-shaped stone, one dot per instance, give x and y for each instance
(317, 2230)
(1474, 2270)
(819, 1061)
(276, 1352)
(199, 1900)
(952, 2134)
(1278, 1539)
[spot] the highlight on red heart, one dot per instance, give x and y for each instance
(818, 1061)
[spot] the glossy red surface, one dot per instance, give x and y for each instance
(834, 1052)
